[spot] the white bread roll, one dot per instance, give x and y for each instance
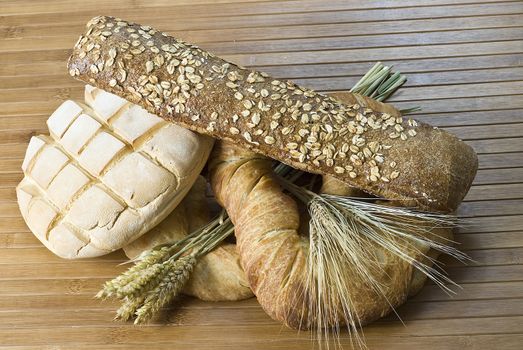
(108, 173)
(218, 275)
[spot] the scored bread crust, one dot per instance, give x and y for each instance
(107, 173)
(357, 140)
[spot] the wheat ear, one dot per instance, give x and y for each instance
(170, 286)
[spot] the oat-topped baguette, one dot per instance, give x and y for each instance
(362, 142)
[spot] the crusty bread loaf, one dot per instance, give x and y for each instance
(362, 142)
(106, 175)
(218, 275)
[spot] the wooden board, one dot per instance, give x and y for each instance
(463, 60)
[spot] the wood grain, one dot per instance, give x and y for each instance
(464, 64)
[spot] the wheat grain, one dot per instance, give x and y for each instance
(141, 281)
(171, 284)
(112, 287)
(128, 308)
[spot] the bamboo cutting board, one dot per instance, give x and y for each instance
(463, 60)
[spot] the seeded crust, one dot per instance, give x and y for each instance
(357, 140)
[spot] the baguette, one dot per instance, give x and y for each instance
(362, 142)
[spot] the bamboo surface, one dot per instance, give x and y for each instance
(463, 59)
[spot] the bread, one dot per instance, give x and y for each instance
(107, 173)
(218, 275)
(359, 141)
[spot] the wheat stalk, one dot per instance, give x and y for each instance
(347, 232)
(161, 273)
(176, 274)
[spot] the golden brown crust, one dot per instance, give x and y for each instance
(267, 244)
(360, 141)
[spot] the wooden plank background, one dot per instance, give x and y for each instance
(464, 63)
